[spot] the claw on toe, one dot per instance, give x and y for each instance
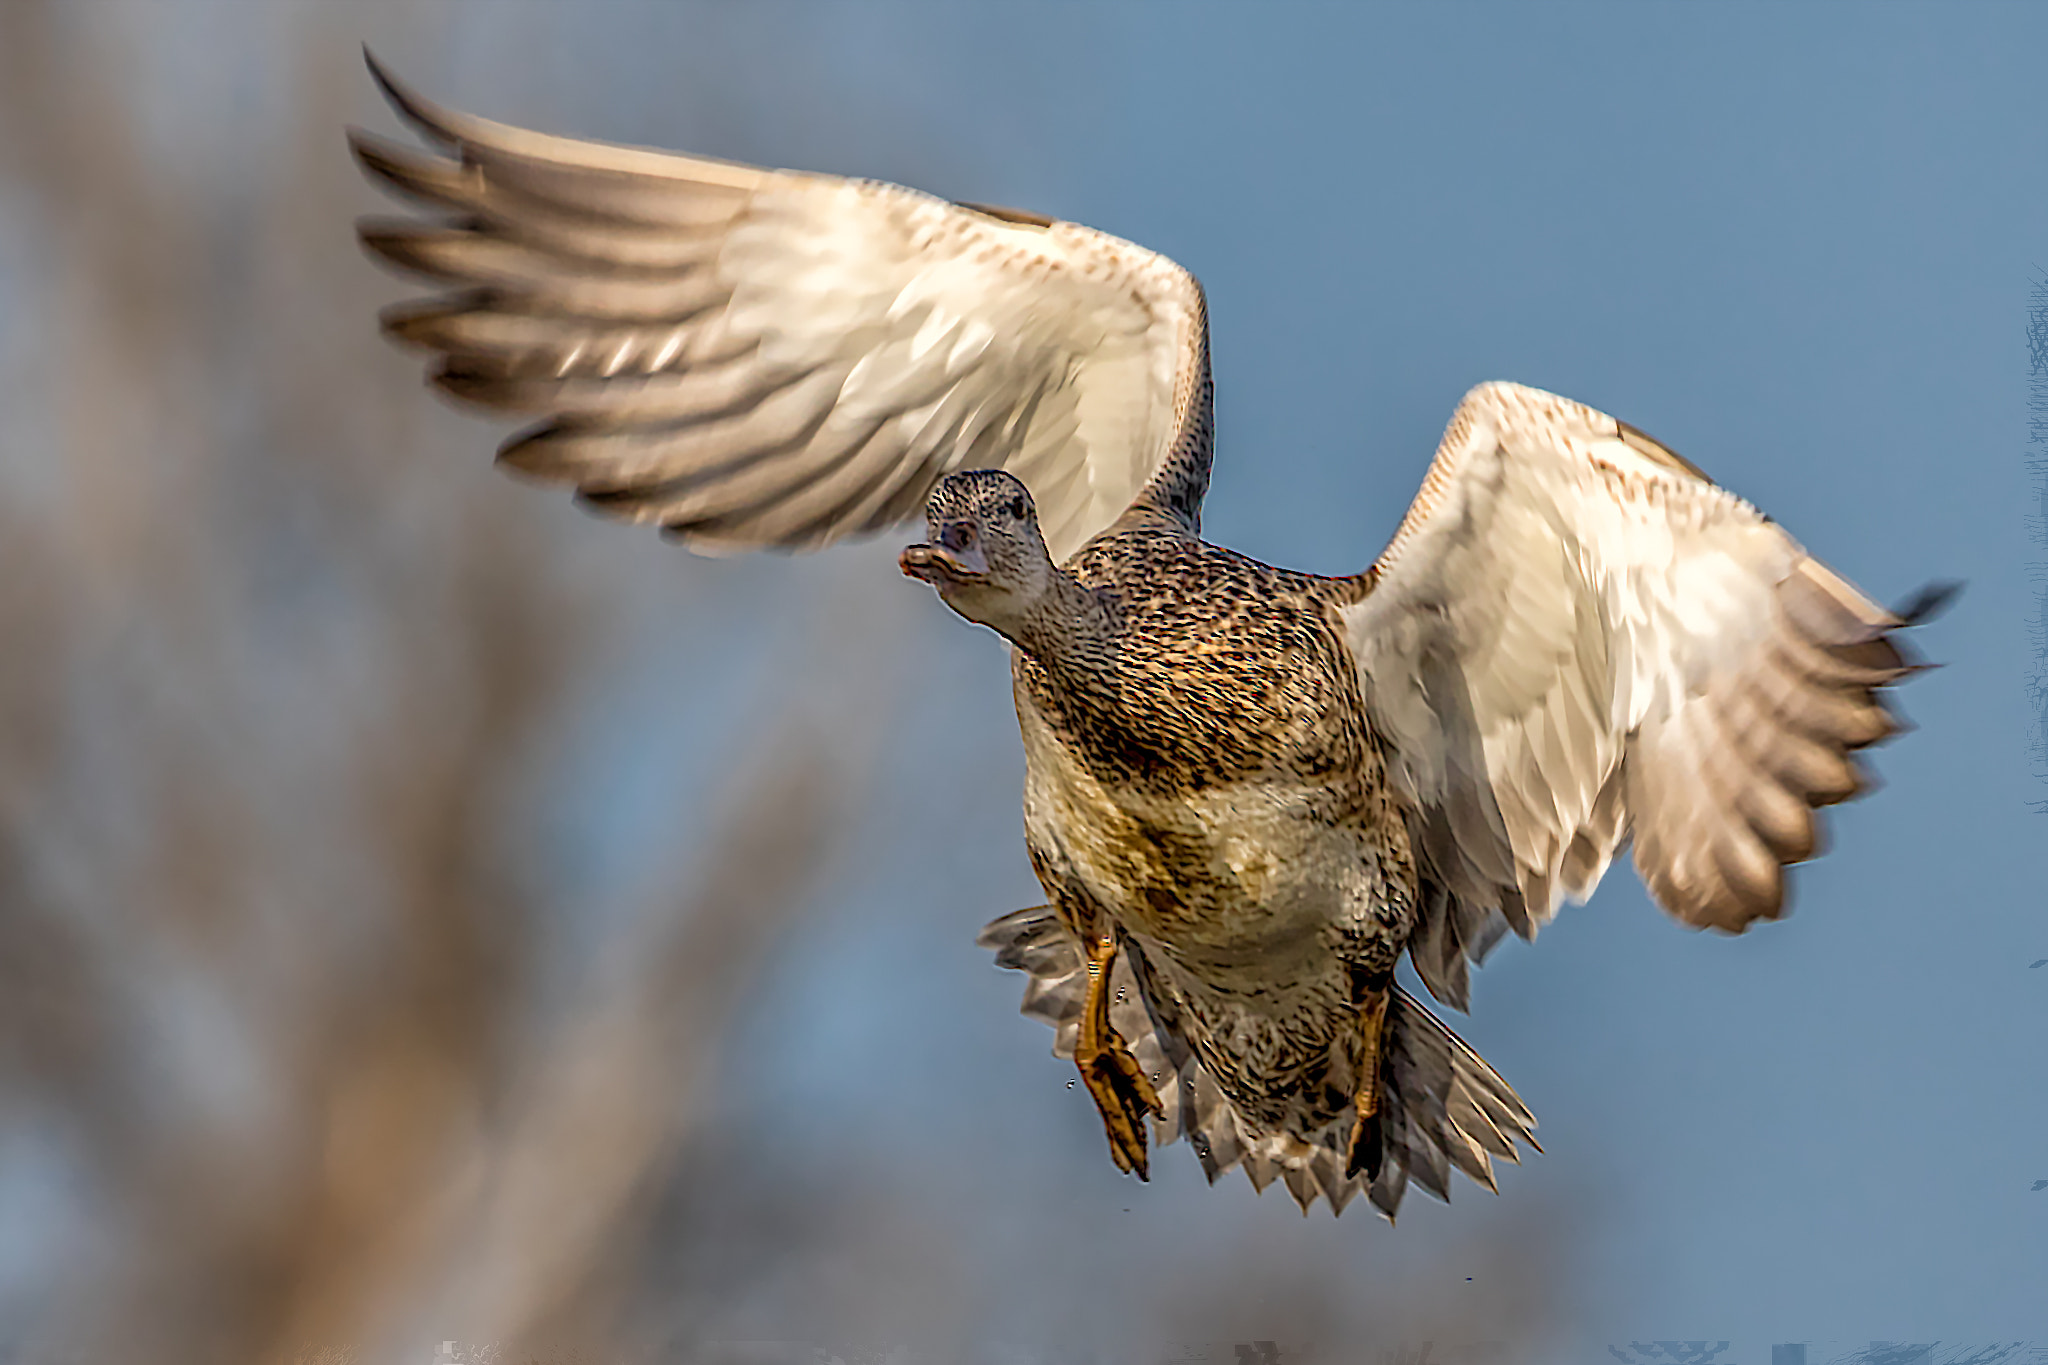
(1363, 1152)
(1124, 1096)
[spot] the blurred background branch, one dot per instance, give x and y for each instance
(277, 706)
(354, 992)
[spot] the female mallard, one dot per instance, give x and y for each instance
(1249, 790)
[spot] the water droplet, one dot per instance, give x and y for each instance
(1070, 1085)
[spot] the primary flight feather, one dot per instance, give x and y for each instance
(1249, 790)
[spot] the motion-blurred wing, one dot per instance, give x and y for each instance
(765, 358)
(1575, 637)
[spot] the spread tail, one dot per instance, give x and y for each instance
(1441, 1105)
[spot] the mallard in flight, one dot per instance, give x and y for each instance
(1249, 790)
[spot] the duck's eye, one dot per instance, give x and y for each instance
(1016, 508)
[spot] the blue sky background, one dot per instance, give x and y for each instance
(1793, 243)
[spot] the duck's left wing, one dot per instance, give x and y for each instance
(1575, 637)
(767, 358)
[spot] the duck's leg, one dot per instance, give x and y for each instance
(1363, 1153)
(1108, 1069)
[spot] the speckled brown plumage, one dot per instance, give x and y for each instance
(1213, 668)
(1201, 742)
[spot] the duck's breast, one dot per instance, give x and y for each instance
(1265, 875)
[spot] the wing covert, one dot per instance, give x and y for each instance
(1575, 639)
(756, 358)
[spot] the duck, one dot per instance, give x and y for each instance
(1250, 792)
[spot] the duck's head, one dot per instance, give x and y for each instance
(985, 554)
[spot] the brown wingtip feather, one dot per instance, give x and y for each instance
(416, 109)
(1645, 444)
(433, 181)
(409, 245)
(1929, 601)
(425, 323)
(1755, 756)
(1019, 217)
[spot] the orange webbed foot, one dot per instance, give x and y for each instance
(1124, 1096)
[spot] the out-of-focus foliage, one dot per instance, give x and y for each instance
(280, 693)
(324, 1033)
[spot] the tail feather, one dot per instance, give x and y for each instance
(1441, 1105)
(1339, 1188)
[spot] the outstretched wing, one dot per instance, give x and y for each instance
(1574, 638)
(764, 358)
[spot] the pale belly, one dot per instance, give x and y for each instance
(1242, 887)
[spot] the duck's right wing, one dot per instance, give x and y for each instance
(758, 358)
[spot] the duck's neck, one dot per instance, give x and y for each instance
(1068, 629)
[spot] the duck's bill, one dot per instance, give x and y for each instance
(938, 565)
